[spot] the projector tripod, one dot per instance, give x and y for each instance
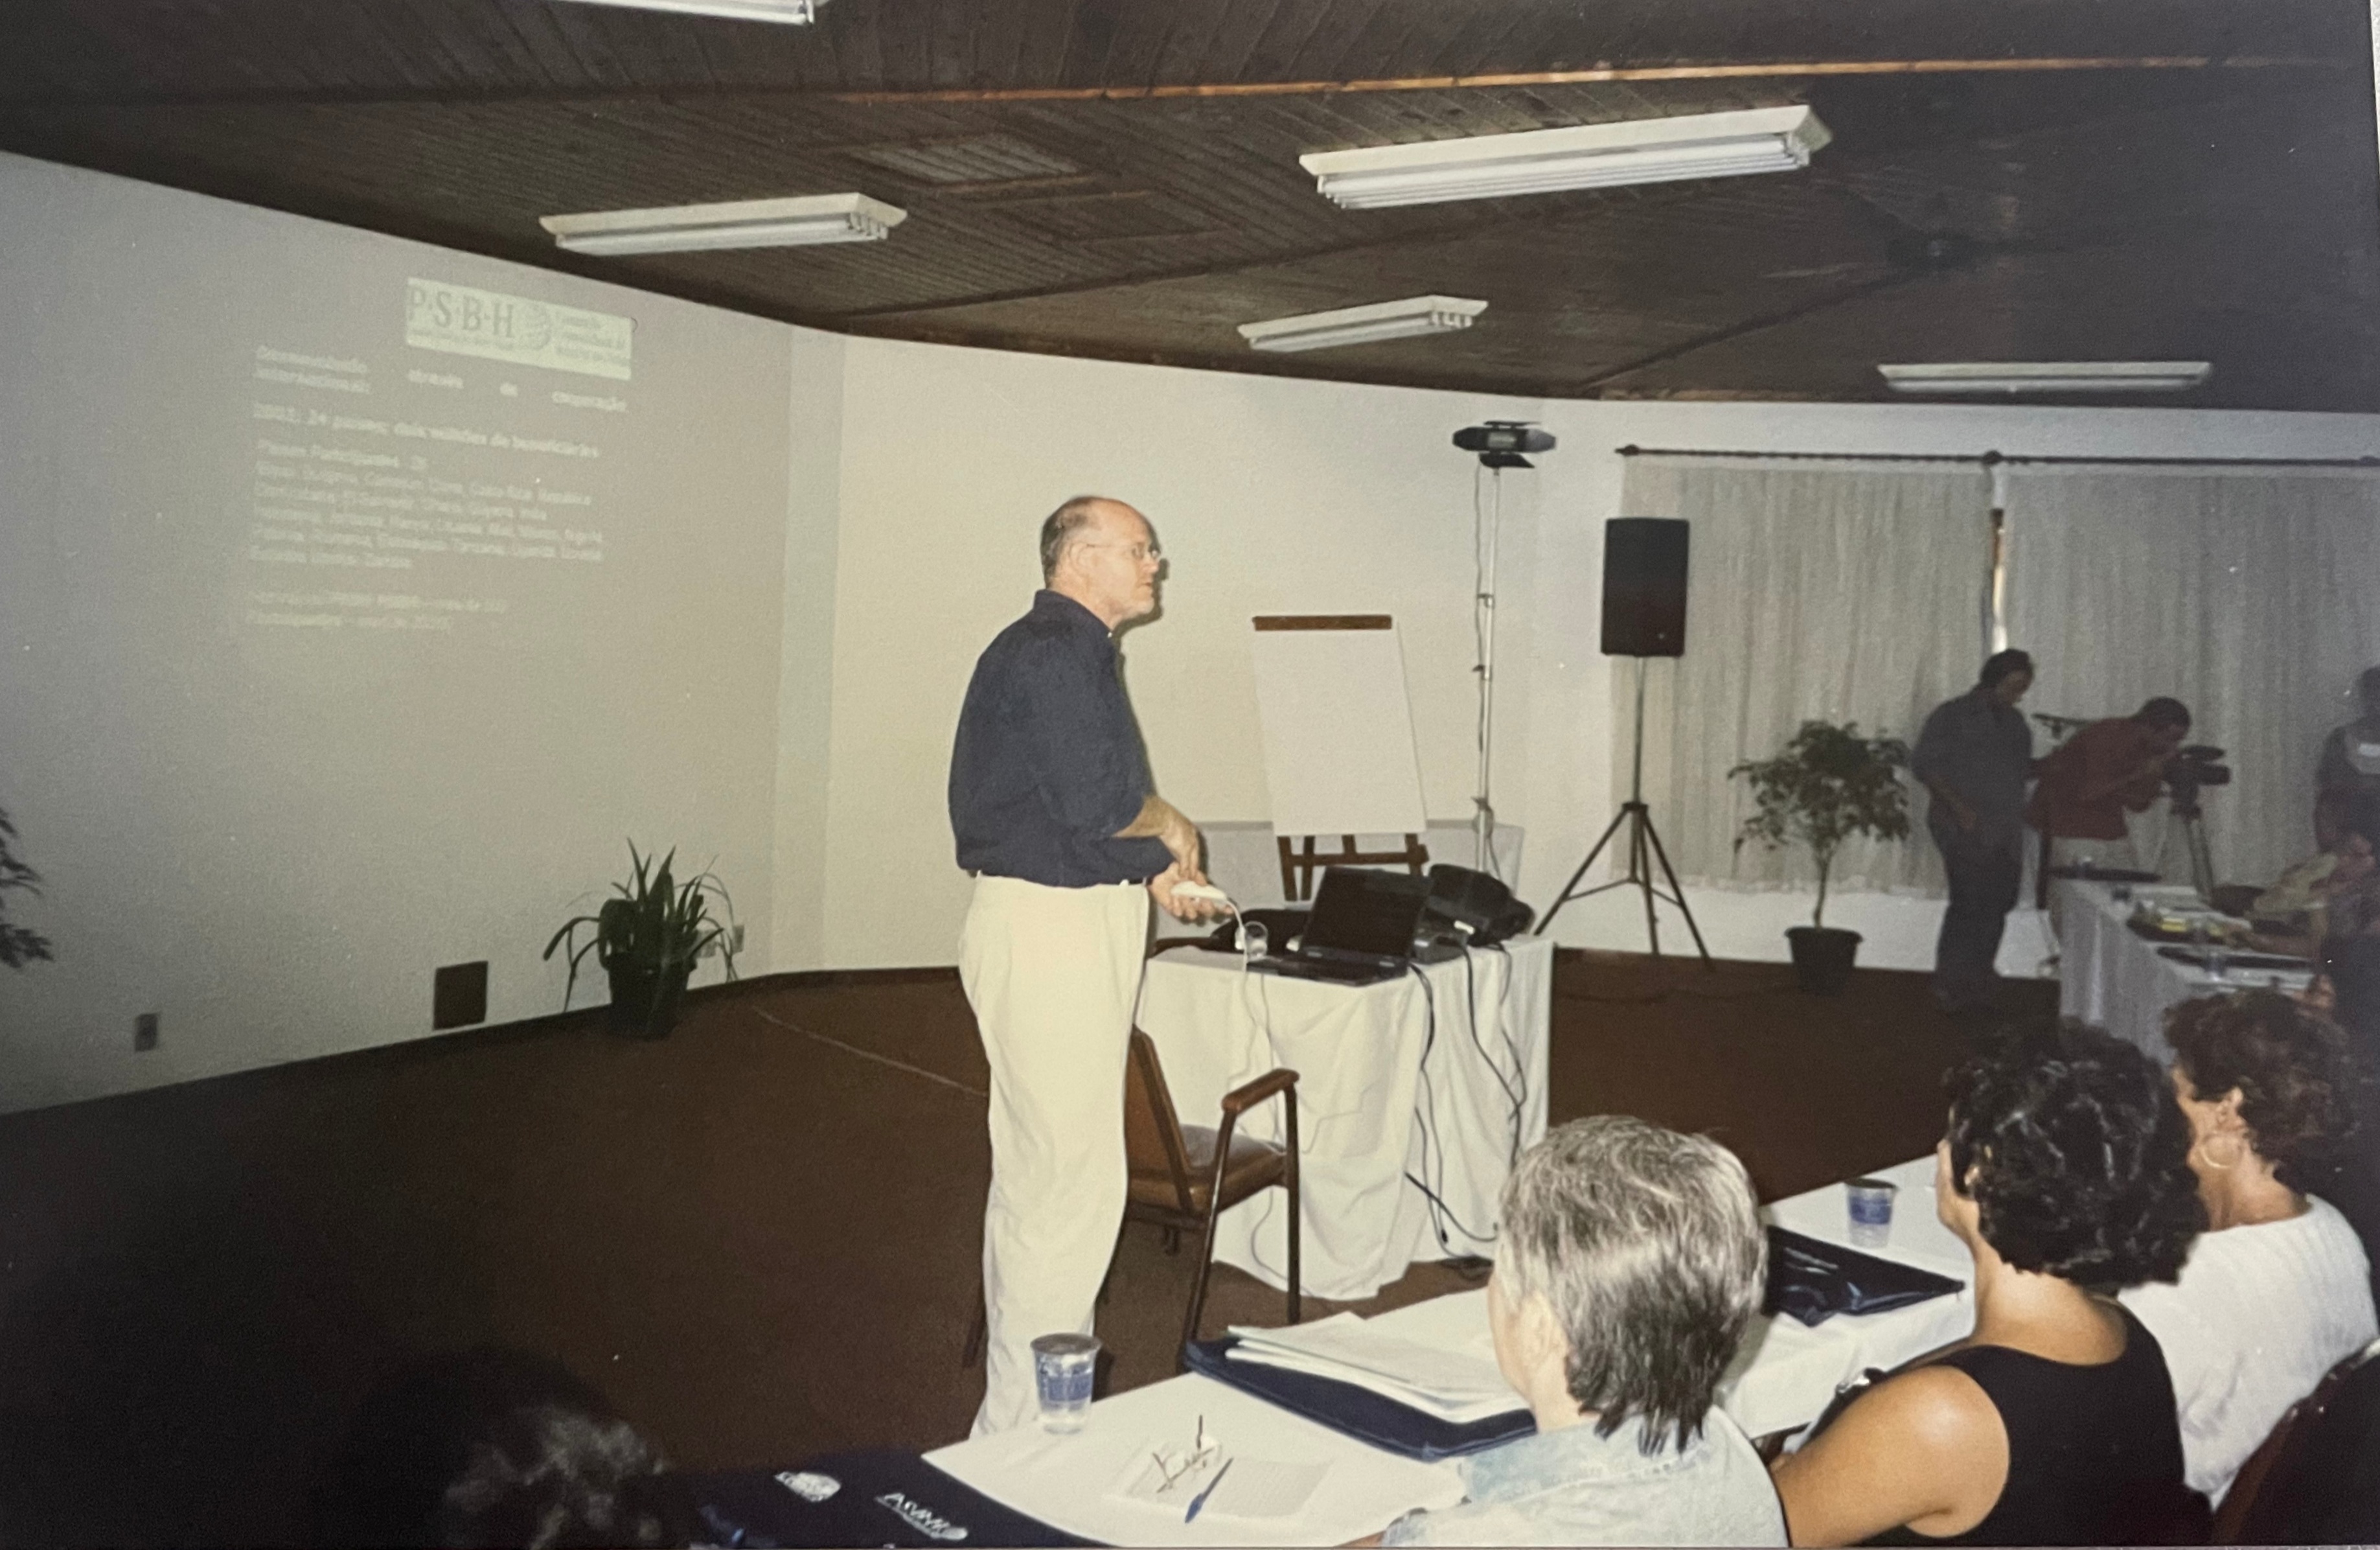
(1643, 850)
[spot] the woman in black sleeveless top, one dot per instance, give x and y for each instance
(2065, 1173)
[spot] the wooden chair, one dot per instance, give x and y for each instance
(2271, 1488)
(1186, 1176)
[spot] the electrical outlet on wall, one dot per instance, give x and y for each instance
(144, 1031)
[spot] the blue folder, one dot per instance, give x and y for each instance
(1811, 1280)
(1358, 1412)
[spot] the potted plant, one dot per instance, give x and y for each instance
(648, 939)
(19, 944)
(1827, 786)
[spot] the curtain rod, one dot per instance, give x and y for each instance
(1990, 459)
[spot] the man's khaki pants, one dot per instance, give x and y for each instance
(1054, 975)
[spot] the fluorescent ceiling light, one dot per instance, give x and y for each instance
(2048, 376)
(1364, 326)
(1590, 156)
(798, 12)
(751, 223)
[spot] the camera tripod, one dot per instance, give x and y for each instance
(2183, 807)
(1643, 850)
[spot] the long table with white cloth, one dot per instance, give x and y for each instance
(1786, 1377)
(1437, 1075)
(2110, 976)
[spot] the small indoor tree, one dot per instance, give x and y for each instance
(19, 944)
(1827, 786)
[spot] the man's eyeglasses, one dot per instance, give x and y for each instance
(1138, 554)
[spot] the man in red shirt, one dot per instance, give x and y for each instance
(2092, 779)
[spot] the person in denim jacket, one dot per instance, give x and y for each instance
(1630, 1261)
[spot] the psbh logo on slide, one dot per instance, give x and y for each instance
(464, 320)
(810, 1486)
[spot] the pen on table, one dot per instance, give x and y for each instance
(1200, 1499)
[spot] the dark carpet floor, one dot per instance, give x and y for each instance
(758, 1238)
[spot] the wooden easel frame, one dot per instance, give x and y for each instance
(1298, 867)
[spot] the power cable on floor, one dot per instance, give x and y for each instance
(870, 1055)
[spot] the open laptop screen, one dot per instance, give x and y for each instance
(1357, 910)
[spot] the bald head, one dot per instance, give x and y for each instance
(1102, 554)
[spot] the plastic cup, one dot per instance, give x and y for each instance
(1870, 1201)
(1064, 1366)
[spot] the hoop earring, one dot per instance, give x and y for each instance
(2206, 1150)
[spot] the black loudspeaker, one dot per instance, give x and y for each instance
(1645, 586)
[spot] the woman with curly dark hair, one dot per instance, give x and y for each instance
(2277, 1290)
(2064, 1173)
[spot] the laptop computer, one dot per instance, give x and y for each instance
(1363, 930)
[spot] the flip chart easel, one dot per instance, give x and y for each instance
(1339, 741)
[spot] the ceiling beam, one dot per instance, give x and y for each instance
(1809, 69)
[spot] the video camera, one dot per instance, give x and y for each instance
(2191, 767)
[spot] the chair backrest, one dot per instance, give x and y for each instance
(1152, 1131)
(2305, 1477)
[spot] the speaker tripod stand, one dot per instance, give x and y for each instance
(1644, 850)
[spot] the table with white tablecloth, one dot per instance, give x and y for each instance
(1788, 1373)
(1437, 1075)
(2110, 976)
(1786, 1377)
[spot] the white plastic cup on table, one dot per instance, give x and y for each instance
(1870, 1203)
(1064, 1366)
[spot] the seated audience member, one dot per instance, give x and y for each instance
(2065, 1174)
(495, 1447)
(2346, 904)
(2277, 1290)
(1630, 1260)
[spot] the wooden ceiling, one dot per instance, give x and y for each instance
(2010, 178)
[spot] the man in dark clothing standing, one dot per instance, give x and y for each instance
(1973, 757)
(1068, 841)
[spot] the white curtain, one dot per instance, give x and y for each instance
(1839, 592)
(2252, 596)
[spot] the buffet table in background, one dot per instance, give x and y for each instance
(2111, 977)
(1437, 1076)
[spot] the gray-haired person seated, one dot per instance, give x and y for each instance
(1630, 1260)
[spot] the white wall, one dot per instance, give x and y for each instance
(271, 836)
(271, 833)
(1568, 788)
(1268, 496)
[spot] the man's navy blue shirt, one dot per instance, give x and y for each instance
(1049, 763)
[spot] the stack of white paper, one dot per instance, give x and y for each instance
(1451, 1385)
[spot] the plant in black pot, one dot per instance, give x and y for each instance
(1827, 786)
(648, 940)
